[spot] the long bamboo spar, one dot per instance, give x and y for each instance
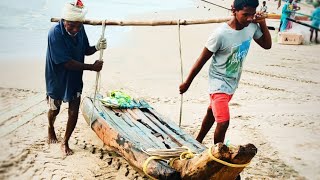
(150, 23)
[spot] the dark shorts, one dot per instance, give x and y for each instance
(55, 104)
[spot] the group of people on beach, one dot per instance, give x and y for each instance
(226, 48)
(289, 11)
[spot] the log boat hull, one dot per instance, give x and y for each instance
(129, 131)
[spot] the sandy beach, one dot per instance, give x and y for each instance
(276, 106)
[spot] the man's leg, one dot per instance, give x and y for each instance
(316, 36)
(52, 114)
(207, 123)
(220, 132)
(280, 26)
(71, 124)
(311, 34)
(54, 109)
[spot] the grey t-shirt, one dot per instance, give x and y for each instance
(229, 47)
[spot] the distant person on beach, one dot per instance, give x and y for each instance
(264, 7)
(287, 9)
(315, 17)
(294, 8)
(227, 48)
(67, 46)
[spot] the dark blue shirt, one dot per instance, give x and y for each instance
(61, 83)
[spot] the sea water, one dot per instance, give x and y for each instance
(24, 25)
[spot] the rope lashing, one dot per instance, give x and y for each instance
(187, 154)
(165, 155)
(145, 165)
(177, 153)
(181, 71)
(224, 162)
(97, 83)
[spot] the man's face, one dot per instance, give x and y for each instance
(245, 16)
(72, 27)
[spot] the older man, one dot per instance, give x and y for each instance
(67, 46)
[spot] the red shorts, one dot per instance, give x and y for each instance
(219, 103)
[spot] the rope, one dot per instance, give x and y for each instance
(224, 162)
(181, 153)
(181, 70)
(145, 164)
(216, 5)
(186, 155)
(166, 154)
(97, 83)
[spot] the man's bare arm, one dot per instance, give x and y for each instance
(201, 61)
(78, 66)
(265, 40)
(91, 50)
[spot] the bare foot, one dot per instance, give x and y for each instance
(66, 150)
(52, 138)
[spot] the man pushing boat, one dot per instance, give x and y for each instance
(67, 46)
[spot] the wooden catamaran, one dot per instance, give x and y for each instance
(130, 132)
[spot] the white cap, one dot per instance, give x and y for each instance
(72, 12)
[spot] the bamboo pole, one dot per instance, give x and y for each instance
(304, 24)
(151, 23)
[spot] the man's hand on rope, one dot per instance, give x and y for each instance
(97, 66)
(101, 44)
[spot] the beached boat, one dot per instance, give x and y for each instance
(132, 132)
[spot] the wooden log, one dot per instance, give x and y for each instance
(177, 132)
(136, 132)
(134, 115)
(204, 167)
(158, 129)
(169, 133)
(147, 132)
(128, 150)
(151, 23)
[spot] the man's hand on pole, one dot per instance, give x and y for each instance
(101, 44)
(97, 65)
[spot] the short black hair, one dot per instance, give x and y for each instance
(240, 4)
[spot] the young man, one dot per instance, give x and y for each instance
(67, 46)
(227, 47)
